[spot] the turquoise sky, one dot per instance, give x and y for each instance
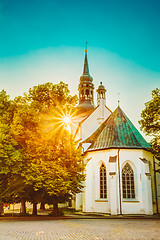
(44, 41)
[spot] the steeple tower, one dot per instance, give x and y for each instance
(101, 102)
(86, 88)
(101, 95)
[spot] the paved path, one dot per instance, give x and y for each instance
(81, 229)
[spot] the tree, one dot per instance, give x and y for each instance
(47, 96)
(10, 154)
(150, 122)
(52, 166)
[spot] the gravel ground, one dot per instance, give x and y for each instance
(81, 229)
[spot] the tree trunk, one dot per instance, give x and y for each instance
(1, 209)
(23, 206)
(55, 209)
(42, 206)
(34, 209)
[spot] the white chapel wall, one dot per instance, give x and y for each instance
(149, 157)
(90, 125)
(142, 204)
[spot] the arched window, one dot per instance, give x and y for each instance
(103, 182)
(128, 186)
(87, 92)
(82, 94)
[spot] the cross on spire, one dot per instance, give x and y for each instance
(118, 98)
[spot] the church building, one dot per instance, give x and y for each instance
(119, 164)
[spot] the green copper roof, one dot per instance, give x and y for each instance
(116, 132)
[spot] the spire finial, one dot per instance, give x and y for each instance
(86, 47)
(118, 99)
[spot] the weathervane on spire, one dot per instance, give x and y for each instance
(86, 47)
(118, 99)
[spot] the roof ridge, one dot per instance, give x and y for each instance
(139, 137)
(97, 130)
(117, 131)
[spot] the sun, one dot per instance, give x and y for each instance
(59, 120)
(67, 120)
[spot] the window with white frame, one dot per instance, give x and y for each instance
(103, 182)
(128, 186)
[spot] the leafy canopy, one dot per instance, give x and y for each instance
(150, 122)
(46, 165)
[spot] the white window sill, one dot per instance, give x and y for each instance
(130, 200)
(101, 200)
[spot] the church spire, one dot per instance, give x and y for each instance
(86, 88)
(86, 67)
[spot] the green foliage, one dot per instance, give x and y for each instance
(47, 96)
(38, 157)
(10, 154)
(150, 122)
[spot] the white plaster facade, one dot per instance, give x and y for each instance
(90, 123)
(115, 203)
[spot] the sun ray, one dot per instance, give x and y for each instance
(57, 121)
